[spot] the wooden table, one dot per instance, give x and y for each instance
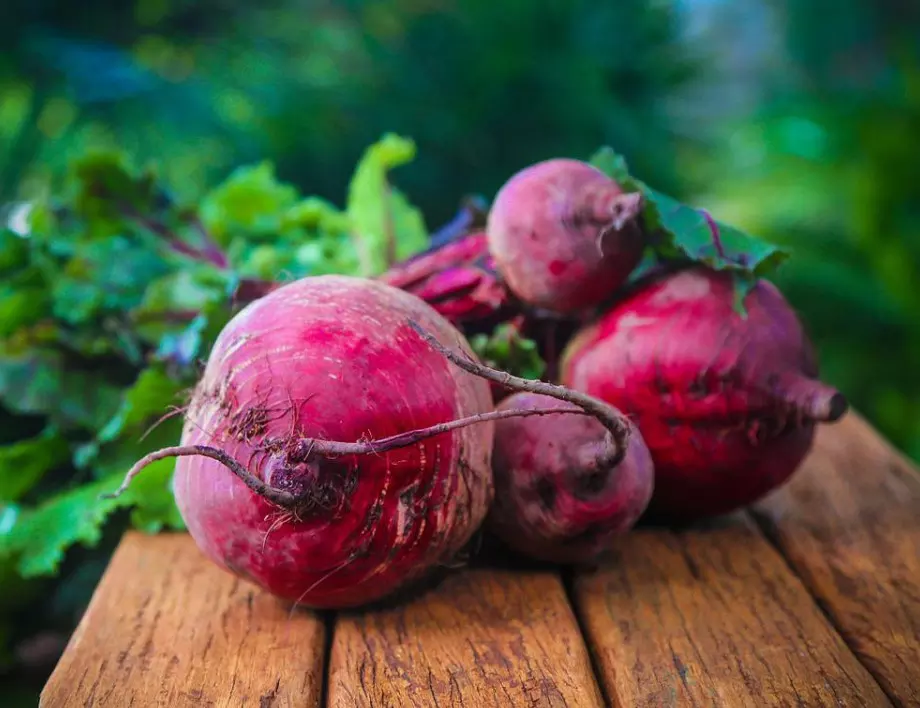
(810, 599)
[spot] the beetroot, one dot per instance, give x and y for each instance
(323, 523)
(564, 236)
(552, 501)
(726, 404)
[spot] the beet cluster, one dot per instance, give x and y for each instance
(344, 440)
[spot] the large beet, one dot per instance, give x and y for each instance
(726, 404)
(301, 465)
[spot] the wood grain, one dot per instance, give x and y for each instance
(713, 617)
(483, 638)
(168, 628)
(849, 524)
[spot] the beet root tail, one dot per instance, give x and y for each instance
(816, 400)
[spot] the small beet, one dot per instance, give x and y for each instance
(726, 404)
(552, 501)
(564, 236)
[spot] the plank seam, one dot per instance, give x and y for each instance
(567, 575)
(329, 622)
(763, 527)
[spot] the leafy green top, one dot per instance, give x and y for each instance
(682, 232)
(110, 300)
(506, 349)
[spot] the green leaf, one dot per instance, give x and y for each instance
(507, 350)
(14, 251)
(684, 232)
(314, 213)
(21, 306)
(189, 289)
(23, 463)
(106, 276)
(148, 399)
(42, 382)
(386, 226)
(107, 186)
(251, 199)
(39, 538)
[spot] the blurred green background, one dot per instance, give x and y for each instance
(798, 121)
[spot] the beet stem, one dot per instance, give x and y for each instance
(612, 419)
(309, 448)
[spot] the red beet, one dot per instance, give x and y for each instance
(564, 236)
(329, 524)
(727, 405)
(552, 500)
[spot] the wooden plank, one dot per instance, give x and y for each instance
(168, 628)
(712, 616)
(483, 638)
(849, 524)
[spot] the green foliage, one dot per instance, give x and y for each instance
(25, 462)
(483, 88)
(506, 349)
(684, 232)
(114, 296)
(389, 227)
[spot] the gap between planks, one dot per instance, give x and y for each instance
(713, 616)
(484, 637)
(848, 523)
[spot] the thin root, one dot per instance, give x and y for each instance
(283, 499)
(176, 410)
(613, 420)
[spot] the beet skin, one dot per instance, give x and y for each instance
(332, 358)
(727, 405)
(552, 502)
(563, 235)
(457, 279)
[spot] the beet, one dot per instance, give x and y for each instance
(328, 524)
(564, 236)
(726, 404)
(552, 501)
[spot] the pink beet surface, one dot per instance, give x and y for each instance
(331, 358)
(552, 501)
(727, 405)
(564, 236)
(457, 279)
